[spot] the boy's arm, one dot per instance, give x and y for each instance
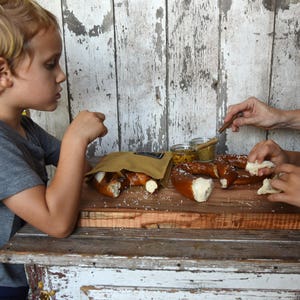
(54, 209)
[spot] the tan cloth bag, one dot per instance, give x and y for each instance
(156, 165)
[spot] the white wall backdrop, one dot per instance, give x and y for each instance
(165, 71)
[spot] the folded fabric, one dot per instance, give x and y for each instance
(156, 165)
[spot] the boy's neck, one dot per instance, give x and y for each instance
(13, 120)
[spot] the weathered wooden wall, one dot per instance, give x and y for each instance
(165, 71)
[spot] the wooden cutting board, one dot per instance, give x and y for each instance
(236, 208)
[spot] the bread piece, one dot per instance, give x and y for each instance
(267, 188)
(202, 188)
(99, 176)
(107, 186)
(151, 186)
(253, 168)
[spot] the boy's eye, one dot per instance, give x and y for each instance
(50, 65)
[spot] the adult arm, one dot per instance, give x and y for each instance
(256, 113)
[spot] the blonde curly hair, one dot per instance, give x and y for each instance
(20, 21)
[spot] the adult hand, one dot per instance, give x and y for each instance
(287, 181)
(253, 112)
(268, 150)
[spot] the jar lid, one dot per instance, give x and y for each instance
(180, 147)
(200, 140)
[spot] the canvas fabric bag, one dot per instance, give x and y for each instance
(156, 165)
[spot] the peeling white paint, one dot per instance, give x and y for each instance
(164, 74)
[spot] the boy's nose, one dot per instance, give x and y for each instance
(61, 76)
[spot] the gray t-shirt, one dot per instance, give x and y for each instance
(22, 166)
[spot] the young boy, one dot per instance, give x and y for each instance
(30, 78)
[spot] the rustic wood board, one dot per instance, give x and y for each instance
(286, 71)
(141, 74)
(55, 123)
(165, 71)
(236, 208)
(244, 72)
(89, 43)
(92, 247)
(193, 36)
(176, 259)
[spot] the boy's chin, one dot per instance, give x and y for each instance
(50, 108)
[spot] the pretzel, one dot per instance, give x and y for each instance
(189, 185)
(185, 178)
(224, 168)
(111, 184)
(236, 160)
(227, 174)
(138, 178)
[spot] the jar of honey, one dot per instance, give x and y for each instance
(205, 148)
(183, 153)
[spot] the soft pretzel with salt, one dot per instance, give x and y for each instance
(185, 176)
(111, 184)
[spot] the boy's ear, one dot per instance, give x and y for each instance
(5, 75)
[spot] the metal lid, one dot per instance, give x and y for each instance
(180, 147)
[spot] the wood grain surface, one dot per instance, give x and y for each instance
(236, 208)
(107, 247)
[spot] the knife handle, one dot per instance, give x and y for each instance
(228, 123)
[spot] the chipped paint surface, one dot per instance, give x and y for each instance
(286, 71)
(164, 72)
(73, 24)
(246, 55)
(189, 283)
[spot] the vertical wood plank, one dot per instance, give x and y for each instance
(141, 65)
(89, 39)
(286, 69)
(168, 99)
(193, 69)
(246, 48)
(55, 122)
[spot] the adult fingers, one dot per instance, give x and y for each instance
(279, 183)
(235, 109)
(285, 168)
(260, 151)
(280, 197)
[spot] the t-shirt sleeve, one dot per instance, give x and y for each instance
(16, 174)
(51, 146)
(49, 143)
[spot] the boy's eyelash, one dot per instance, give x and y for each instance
(51, 65)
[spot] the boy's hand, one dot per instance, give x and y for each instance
(88, 126)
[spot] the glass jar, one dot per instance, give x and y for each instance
(205, 148)
(183, 153)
